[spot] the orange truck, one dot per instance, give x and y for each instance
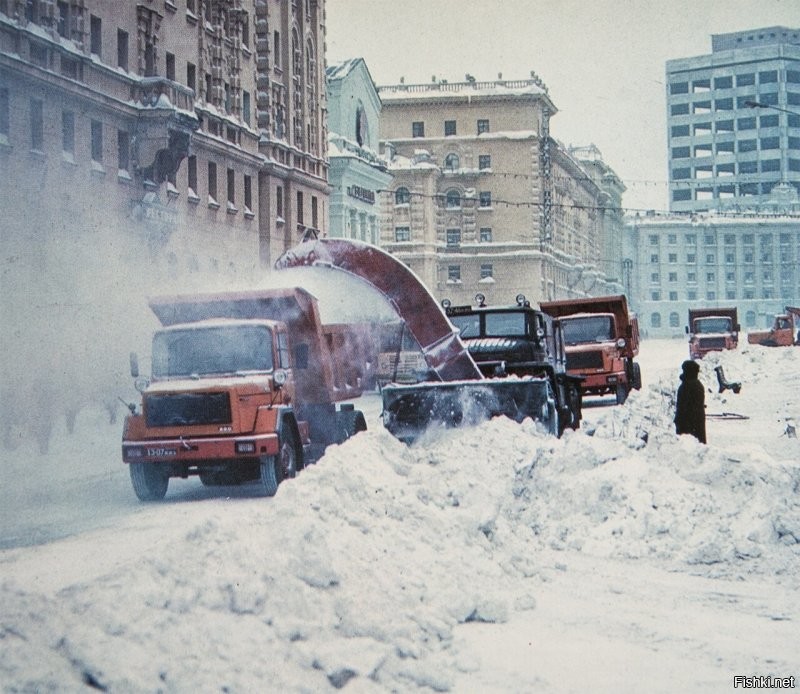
(243, 388)
(602, 339)
(785, 330)
(712, 330)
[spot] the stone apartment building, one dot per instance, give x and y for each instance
(147, 143)
(484, 199)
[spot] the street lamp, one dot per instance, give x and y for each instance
(759, 104)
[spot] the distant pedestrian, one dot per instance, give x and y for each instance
(690, 409)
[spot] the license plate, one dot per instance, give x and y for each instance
(161, 452)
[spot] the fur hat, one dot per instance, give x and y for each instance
(690, 368)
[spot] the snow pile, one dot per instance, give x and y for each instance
(360, 571)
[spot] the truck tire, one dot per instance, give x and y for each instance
(637, 377)
(276, 468)
(149, 482)
(349, 423)
(622, 393)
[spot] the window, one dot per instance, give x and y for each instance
(453, 237)
(691, 258)
(710, 259)
(723, 82)
(679, 130)
(674, 318)
(453, 199)
(402, 234)
(723, 104)
(655, 320)
(771, 165)
(483, 126)
(451, 162)
(673, 258)
(314, 212)
(453, 273)
(170, 63)
(276, 48)
(402, 196)
(655, 278)
(485, 235)
(709, 240)
(746, 123)
(673, 276)
(191, 76)
(679, 109)
(680, 152)
(97, 141)
(681, 174)
(484, 162)
(449, 128)
(768, 77)
(710, 277)
(231, 187)
(768, 121)
(68, 132)
(191, 169)
(37, 125)
(246, 106)
(248, 193)
(123, 150)
(4, 111)
(679, 88)
(63, 19)
(300, 207)
(485, 199)
(747, 145)
(486, 271)
(654, 259)
(279, 201)
(691, 295)
(418, 129)
(724, 126)
(746, 80)
(96, 36)
(653, 238)
(691, 277)
(212, 182)
(672, 239)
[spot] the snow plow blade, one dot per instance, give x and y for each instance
(408, 410)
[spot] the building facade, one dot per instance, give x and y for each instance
(356, 173)
(144, 145)
(733, 120)
(680, 262)
(484, 199)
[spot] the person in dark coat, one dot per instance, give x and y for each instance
(690, 409)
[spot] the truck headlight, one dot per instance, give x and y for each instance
(621, 342)
(279, 378)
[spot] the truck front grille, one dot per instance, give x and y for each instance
(584, 360)
(187, 408)
(711, 343)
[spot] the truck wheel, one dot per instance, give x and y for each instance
(622, 393)
(149, 482)
(349, 423)
(276, 468)
(637, 377)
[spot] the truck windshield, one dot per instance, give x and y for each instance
(588, 329)
(468, 325)
(506, 324)
(212, 351)
(714, 324)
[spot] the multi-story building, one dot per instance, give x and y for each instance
(356, 173)
(143, 143)
(713, 259)
(733, 119)
(483, 198)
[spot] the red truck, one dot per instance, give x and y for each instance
(712, 330)
(602, 339)
(785, 330)
(243, 388)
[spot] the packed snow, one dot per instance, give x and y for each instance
(619, 558)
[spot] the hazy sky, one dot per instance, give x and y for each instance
(602, 60)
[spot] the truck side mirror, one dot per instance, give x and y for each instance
(686, 329)
(134, 365)
(737, 328)
(629, 331)
(301, 356)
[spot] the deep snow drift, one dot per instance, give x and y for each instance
(495, 559)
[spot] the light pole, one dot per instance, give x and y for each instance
(759, 104)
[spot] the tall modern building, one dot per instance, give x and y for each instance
(484, 199)
(733, 119)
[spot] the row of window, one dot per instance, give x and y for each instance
(742, 168)
(452, 236)
(486, 272)
(449, 128)
(674, 318)
(762, 144)
(725, 126)
(746, 293)
(748, 257)
(746, 79)
(749, 276)
(452, 198)
(452, 162)
(726, 192)
(765, 239)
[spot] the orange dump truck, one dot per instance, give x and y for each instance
(712, 330)
(785, 330)
(243, 388)
(602, 339)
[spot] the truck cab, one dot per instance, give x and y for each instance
(712, 330)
